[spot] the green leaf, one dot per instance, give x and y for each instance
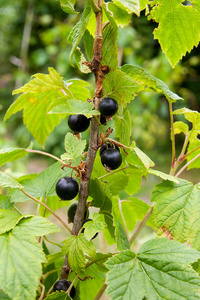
(11, 154)
(161, 270)
(132, 6)
(174, 31)
(163, 175)
(193, 145)
(134, 177)
(109, 46)
(9, 219)
(120, 87)
(143, 4)
(37, 226)
(5, 202)
(88, 42)
(7, 181)
(58, 295)
(20, 266)
(101, 195)
(120, 234)
(176, 212)
(95, 225)
(144, 158)
(43, 185)
(3, 296)
(121, 16)
(145, 79)
(75, 247)
(80, 58)
(78, 30)
(123, 128)
(116, 182)
(73, 147)
(68, 6)
(72, 107)
(180, 127)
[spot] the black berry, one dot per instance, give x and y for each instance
(78, 123)
(67, 188)
(102, 120)
(84, 228)
(108, 107)
(107, 146)
(111, 158)
(72, 210)
(63, 285)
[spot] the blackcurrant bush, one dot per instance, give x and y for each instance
(72, 210)
(84, 228)
(111, 158)
(63, 285)
(107, 146)
(67, 188)
(78, 123)
(108, 107)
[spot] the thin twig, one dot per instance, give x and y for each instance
(172, 135)
(100, 293)
(141, 225)
(53, 213)
(46, 154)
(193, 150)
(186, 165)
(51, 242)
(42, 293)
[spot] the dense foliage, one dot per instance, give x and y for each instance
(105, 173)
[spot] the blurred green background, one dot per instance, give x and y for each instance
(33, 37)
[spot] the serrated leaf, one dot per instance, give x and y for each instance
(161, 270)
(134, 177)
(144, 158)
(109, 46)
(180, 127)
(143, 4)
(75, 247)
(195, 144)
(88, 42)
(68, 6)
(144, 79)
(80, 58)
(7, 181)
(78, 30)
(120, 234)
(58, 295)
(132, 6)
(101, 195)
(17, 250)
(37, 226)
(120, 87)
(73, 147)
(9, 219)
(116, 182)
(72, 107)
(176, 212)
(174, 30)
(5, 202)
(123, 128)
(11, 154)
(163, 175)
(121, 16)
(95, 225)
(43, 185)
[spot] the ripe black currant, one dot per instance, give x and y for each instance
(84, 228)
(67, 188)
(78, 123)
(108, 107)
(72, 210)
(63, 285)
(111, 158)
(107, 146)
(102, 120)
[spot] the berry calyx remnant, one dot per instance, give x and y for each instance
(67, 188)
(108, 146)
(72, 211)
(108, 107)
(78, 123)
(111, 158)
(63, 285)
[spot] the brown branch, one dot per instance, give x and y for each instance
(95, 66)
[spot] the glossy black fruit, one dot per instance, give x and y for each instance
(67, 188)
(102, 119)
(111, 158)
(78, 123)
(108, 146)
(108, 107)
(63, 285)
(84, 228)
(72, 210)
